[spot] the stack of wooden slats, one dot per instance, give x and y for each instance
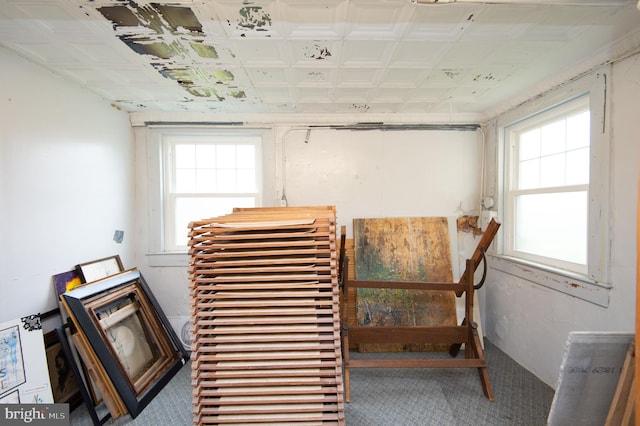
(265, 309)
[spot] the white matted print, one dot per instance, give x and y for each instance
(24, 375)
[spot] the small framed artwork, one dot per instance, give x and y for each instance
(98, 269)
(66, 281)
(63, 384)
(129, 334)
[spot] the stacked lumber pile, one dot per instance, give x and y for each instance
(265, 310)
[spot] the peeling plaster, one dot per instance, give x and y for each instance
(173, 38)
(484, 77)
(361, 107)
(316, 76)
(451, 73)
(316, 51)
(254, 18)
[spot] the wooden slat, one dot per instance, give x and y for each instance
(97, 373)
(410, 334)
(622, 411)
(265, 308)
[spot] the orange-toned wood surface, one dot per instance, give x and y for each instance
(265, 309)
(403, 249)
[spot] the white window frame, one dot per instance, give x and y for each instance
(161, 251)
(593, 284)
(511, 134)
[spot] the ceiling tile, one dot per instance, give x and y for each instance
(313, 19)
(314, 52)
(255, 53)
(314, 56)
(418, 54)
(269, 77)
(402, 77)
(310, 76)
(247, 19)
(360, 77)
(278, 95)
(437, 23)
(376, 20)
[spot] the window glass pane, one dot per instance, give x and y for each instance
(553, 225)
(530, 144)
(226, 179)
(191, 209)
(206, 180)
(206, 156)
(226, 156)
(529, 174)
(552, 170)
(246, 157)
(246, 180)
(578, 167)
(185, 156)
(578, 130)
(185, 180)
(202, 171)
(553, 138)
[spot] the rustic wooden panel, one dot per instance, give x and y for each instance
(403, 249)
(351, 307)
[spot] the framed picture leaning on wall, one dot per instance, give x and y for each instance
(98, 269)
(63, 384)
(129, 334)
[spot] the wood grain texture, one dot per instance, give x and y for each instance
(265, 309)
(403, 249)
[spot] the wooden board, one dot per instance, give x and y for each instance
(403, 249)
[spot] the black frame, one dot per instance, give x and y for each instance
(77, 301)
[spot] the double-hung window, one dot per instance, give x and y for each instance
(554, 190)
(547, 195)
(200, 174)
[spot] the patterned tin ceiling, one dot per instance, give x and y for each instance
(314, 56)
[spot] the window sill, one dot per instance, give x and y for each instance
(565, 282)
(168, 259)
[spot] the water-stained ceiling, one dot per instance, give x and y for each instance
(313, 56)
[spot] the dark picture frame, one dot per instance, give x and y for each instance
(64, 386)
(129, 334)
(99, 269)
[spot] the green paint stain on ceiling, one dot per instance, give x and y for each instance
(204, 50)
(173, 37)
(254, 18)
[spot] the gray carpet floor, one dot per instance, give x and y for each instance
(395, 397)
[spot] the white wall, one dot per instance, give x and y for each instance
(363, 173)
(66, 183)
(67, 178)
(369, 174)
(530, 322)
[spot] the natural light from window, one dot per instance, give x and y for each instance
(208, 178)
(550, 187)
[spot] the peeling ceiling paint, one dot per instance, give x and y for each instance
(369, 57)
(171, 35)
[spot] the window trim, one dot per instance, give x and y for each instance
(595, 285)
(156, 254)
(168, 141)
(572, 105)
